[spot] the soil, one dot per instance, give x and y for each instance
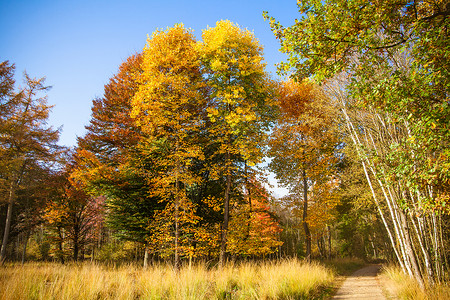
(362, 284)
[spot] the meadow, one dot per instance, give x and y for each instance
(287, 279)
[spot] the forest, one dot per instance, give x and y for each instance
(173, 166)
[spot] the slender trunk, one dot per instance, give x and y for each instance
(374, 249)
(365, 163)
(409, 250)
(145, 257)
(60, 245)
(177, 207)
(305, 216)
(329, 241)
(76, 242)
(75, 250)
(426, 257)
(8, 223)
(226, 216)
(24, 250)
(249, 200)
(445, 266)
(177, 230)
(437, 248)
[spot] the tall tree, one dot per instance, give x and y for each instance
(303, 146)
(25, 138)
(169, 107)
(106, 155)
(242, 103)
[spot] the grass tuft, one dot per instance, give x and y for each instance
(404, 287)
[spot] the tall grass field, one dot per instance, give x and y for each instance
(289, 279)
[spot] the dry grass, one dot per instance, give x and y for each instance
(404, 287)
(290, 279)
(345, 266)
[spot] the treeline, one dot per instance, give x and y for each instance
(359, 135)
(169, 162)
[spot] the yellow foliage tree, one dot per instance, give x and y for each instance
(168, 108)
(241, 102)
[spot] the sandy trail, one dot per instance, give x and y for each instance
(362, 284)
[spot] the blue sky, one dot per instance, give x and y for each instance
(78, 45)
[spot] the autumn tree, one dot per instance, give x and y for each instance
(72, 215)
(32, 196)
(242, 104)
(25, 139)
(254, 229)
(105, 157)
(169, 107)
(303, 146)
(393, 58)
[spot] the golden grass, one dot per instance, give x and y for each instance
(288, 279)
(404, 287)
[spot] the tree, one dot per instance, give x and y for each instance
(112, 133)
(254, 229)
(73, 212)
(106, 157)
(303, 146)
(25, 138)
(168, 107)
(395, 60)
(241, 103)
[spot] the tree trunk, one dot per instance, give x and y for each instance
(177, 230)
(226, 215)
(410, 252)
(76, 243)
(305, 216)
(145, 257)
(60, 245)
(75, 251)
(329, 241)
(24, 250)
(7, 224)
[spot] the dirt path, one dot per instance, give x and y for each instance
(362, 284)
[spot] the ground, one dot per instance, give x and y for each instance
(363, 284)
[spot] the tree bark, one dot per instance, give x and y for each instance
(145, 257)
(24, 250)
(7, 224)
(410, 252)
(305, 216)
(226, 215)
(177, 230)
(60, 244)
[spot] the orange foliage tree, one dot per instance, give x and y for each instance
(254, 229)
(303, 146)
(72, 214)
(106, 157)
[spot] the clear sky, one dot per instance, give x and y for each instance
(78, 45)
